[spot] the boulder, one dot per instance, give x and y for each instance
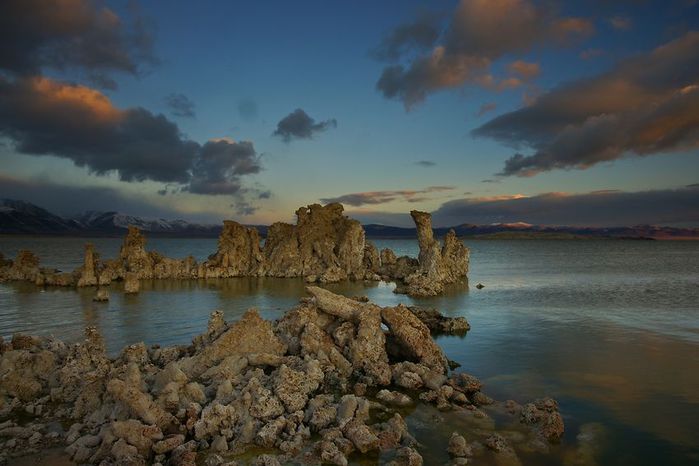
(414, 337)
(439, 323)
(102, 295)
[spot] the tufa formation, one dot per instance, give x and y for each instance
(324, 246)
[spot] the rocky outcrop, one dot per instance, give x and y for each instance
(438, 265)
(24, 267)
(238, 253)
(296, 388)
(88, 274)
(324, 246)
(133, 256)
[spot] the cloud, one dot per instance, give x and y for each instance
(470, 44)
(180, 105)
(645, 105)
(422, 33)
(368, 217)
(220, 165)
(77, 34)
(524, 69)
(486, 107)
(621, 23)
(425, 163)
(589, 54)
(384, 197)
(45, 117)
(600, 208)
(247, 109)
(298, 125)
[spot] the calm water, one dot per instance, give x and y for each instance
(609, 328)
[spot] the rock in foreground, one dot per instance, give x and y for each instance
(295, 388)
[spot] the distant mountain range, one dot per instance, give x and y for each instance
(24, 218)
(522, 230)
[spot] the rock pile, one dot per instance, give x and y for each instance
(323, 382)
(324, 246)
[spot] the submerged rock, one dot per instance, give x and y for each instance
(131, 283)
(439, 323)
(102, 295)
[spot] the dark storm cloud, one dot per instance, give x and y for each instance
(45, 117)
(383, 197)
(645, 105)
(472, 41)
(600, 208)
(244, 208)
(423, 32)
(180, 105)
(298, 125)
(71, 34)
(425, 163)
(221, 164)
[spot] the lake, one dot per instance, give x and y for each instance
(608, 328)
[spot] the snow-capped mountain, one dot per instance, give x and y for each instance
(20, 217)
(24, 217)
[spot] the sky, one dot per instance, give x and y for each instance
(479, 111)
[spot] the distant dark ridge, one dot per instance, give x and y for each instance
(24, 218)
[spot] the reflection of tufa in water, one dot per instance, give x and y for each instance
(300, 388)
(324, 246)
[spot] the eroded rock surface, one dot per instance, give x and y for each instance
(438, 265)
(324, 245)
(238, 253)
(297, 388)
